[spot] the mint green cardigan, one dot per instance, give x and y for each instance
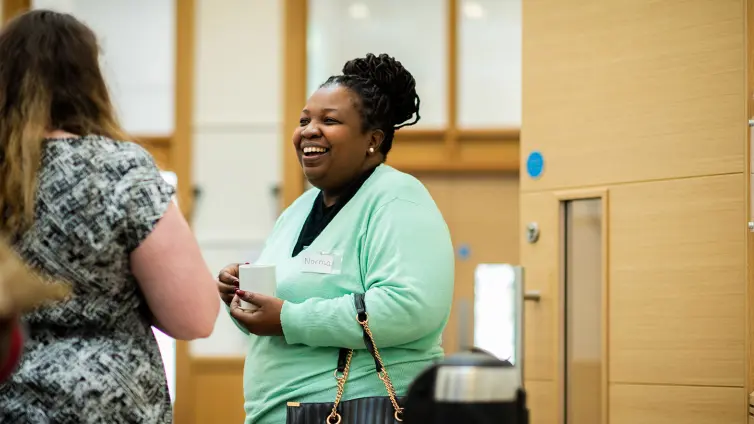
(391, 242)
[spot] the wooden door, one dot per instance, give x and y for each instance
(642, 105)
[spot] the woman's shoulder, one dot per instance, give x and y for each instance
(120, 155)
(389, 184)
(302, 203)
(104, 168)
(99, 154)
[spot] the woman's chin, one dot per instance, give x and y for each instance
(314, 174)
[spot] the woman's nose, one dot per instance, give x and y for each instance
(311, 131)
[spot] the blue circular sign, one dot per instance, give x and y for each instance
(464, 251)
(535, 164)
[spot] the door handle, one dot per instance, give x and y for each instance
(533, 296)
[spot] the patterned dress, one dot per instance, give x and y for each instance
(94, 358)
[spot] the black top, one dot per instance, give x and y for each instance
(321, 215)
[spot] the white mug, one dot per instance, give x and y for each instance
(256, 278)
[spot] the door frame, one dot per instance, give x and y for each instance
(562, 197)
(749, 196)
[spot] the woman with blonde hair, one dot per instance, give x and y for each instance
(81, 206)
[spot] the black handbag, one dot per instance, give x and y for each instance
(370, 410)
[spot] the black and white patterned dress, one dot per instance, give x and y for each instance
(94, 358)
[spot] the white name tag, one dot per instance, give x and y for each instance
(318, 263)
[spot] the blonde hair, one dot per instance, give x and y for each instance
(49, 80)
(22, 289)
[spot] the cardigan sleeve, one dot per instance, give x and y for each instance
(407, 261)
(13, 354)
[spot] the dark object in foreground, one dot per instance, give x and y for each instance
(470, 387)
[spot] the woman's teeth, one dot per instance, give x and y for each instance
(312, 150)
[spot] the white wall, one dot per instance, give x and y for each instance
(237, 131)
(138, 62)
(412, 31)
(489, 63)
(415, 33)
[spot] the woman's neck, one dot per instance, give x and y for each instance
(330, 197)
(60, 134)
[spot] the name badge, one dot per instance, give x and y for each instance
(320, 263)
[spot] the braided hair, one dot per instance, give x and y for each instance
(386, 91)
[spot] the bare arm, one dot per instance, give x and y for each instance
(177, 284)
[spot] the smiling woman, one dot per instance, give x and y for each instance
(366, 236)
(348, 124)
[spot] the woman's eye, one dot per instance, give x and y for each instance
(331, 121)
(303, 121)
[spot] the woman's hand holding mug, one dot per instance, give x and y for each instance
(228, 283)
(264, 320)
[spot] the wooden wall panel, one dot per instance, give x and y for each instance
(468, 156)
(632, 90)
(750, 310)
(542, 264)
(677, 282)
(411, 155)
(748, 192)
(631, 404)
(484, 217)
(13, 8)
(160, 148)
(294, 94)
(217, 391)
(161, 156)
(539, 395)
(482, 213)
(181, 160)
(648, 99)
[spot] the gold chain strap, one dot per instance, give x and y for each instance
(341, 379)
(334, 415)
